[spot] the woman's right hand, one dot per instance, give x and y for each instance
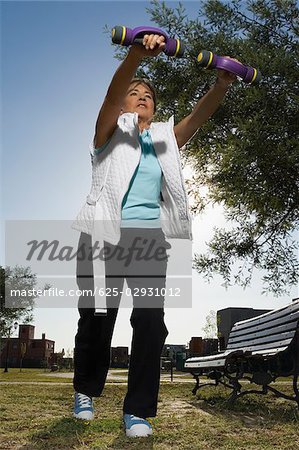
(153, 45)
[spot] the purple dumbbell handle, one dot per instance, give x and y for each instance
(230, 65)
(210, 60)
(170, 46)
(148, 30)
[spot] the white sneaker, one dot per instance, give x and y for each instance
(83, 408)
(136, 426)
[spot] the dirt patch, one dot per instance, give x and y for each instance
(180, 408)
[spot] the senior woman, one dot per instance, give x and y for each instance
(137, 191)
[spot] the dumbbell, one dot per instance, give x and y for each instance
(209, 60)
(126, 36)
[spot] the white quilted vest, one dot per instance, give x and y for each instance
(112, 171)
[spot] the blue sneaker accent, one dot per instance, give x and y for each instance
(136, 426)
(83, 408)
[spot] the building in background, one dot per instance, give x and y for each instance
(119, 357)
(170, 350)
(202, 347)
(174, 353)
(178, 353)
(227, 317)
(25, 350)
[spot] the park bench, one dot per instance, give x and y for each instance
(260, 350)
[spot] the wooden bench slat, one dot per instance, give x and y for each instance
(293, 318)
(270, 352)
(277, 344)
(292, 326)
(204, 364)
(210, 357)
(264, 340)
(267, 317)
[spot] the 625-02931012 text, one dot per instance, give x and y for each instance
(109, 292)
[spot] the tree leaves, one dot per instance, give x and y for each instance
(247, 154)
(15, 307)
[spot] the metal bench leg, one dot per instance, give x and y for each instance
(199, 386)
(196, 387)
(236, 386)
(295, 398)
(264, 391)
(295, 386)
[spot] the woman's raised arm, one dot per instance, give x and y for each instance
(112, 105)
(204, 108)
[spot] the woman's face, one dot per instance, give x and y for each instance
(139, 99)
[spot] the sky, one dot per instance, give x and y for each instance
(56, 65)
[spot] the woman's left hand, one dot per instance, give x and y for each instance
(225, 78)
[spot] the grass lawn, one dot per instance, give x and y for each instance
(36, 417)
(32, 375)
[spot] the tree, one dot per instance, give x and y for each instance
(14, 307)
(23, 350)
(210, 327)
(247, 154)
(69, 353)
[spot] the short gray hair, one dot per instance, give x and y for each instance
(151, 87)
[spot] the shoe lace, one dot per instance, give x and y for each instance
(132, 417)
(83, 400)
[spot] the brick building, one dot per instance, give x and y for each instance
(202, 347)
(119, 357)
(36, 352)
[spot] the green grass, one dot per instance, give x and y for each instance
(33, 375)
(39, 417)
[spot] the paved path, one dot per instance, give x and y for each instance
(122, 375)
(54, 383)
(116, 377)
